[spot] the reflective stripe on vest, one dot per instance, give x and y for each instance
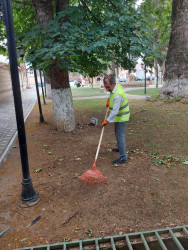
(126, 105)
(125, 113)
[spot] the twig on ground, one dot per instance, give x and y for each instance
(4, 231)
(77, 176)
(72, 216)
(19, 213)
(33, 222)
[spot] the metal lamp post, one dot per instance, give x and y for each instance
(38, 96)
(145, 80)
(21, 54)
(144, 67)
(44, 101)
(28, 194)
(44, 84)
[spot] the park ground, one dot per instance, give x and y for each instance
(148, 192)
(95, 91)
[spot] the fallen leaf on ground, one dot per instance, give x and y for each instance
(89, 232)
(185, 162)
(47, 147)
(23, 239)
(61, 159)
(38, 170)
(67, 239)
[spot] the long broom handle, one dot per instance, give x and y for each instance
(99, 145)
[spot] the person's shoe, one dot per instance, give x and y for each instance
(115, 150)
(119, 161)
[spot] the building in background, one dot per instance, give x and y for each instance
(5, 78)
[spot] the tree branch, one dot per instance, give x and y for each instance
(24, 2)
(113, 5)
(85, 6)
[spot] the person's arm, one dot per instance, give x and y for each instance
(108, 103)
(118, 99)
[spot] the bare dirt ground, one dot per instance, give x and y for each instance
(148, 192)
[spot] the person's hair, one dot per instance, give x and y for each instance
(111, 79)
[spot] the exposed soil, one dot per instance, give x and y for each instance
(139, 195)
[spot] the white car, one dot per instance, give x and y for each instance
(73, 83)
(122, 79)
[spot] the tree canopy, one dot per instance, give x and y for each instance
(95, 33)
(157, 15)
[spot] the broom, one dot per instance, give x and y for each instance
(93, 176)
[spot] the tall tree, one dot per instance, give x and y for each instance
(157, 14)
(176, 70)
(61, 91)
(59, 78)
(83, 36)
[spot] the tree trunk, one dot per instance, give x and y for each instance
(163, 69)
(61, 92)
(176, 68)
(113, 69)
(61, 5)
(44, 11)
(91, 81)
(48, 86)
(117, 70)
(62, 99)
(156, 73)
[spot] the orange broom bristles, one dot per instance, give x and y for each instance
(93, 176)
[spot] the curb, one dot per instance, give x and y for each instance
(14, 137)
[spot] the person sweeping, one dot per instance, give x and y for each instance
(120, 113)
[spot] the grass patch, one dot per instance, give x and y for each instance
(150, 92)
(97, 104)
(86, 91)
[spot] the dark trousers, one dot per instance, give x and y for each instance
(120, 137)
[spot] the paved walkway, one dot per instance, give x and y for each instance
(8, 128)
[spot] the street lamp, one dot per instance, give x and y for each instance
(44, 101)
(44, 84)
(38, 96)
(28, 195)
(20, 51)
(144, 67)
